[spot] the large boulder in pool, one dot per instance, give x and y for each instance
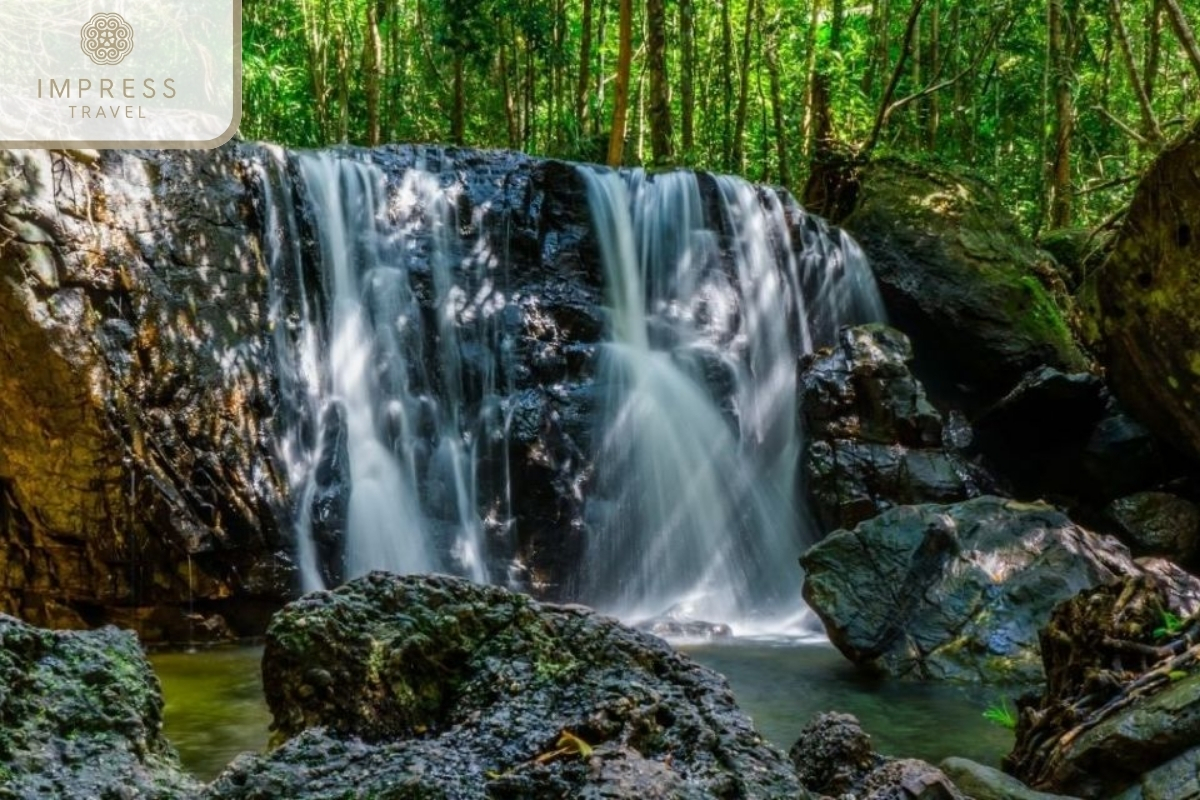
(1147, 297)
(872, 438)
(81, 717)
(959, 592)
(955, 271)
(424, 687)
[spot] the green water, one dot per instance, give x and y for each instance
(783, 685)
(214, 705)
(215, 710)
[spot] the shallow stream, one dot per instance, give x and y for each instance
(215, 708)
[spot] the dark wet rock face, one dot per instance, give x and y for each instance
(1159, 524)
(81, 716)
(435, 687)
(1147, 297)
(959, 592)
(135, 391)
(835, 758)
(1065, 436)
(873, 439)
(955, 271)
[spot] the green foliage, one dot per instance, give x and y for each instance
(1170, 625)
(977, 91)
(1000, 714)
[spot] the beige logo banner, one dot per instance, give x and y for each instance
(119, 73)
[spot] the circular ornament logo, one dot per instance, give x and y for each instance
(107, 39)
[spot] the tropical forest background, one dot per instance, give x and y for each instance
(1060, 103)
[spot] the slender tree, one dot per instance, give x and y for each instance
(616, 141)
(660, 97)
(687, 67)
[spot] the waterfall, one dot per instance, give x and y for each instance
(698, 443)
(406, 337)
(382, 442)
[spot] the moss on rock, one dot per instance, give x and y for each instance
(81, 716)
(956, 272)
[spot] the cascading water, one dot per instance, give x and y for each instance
(398, 313)
(697, 446)
(382, 427)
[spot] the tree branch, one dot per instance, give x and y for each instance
(1184, 32)
(1130, 132)
(937, 87)
(914, 17)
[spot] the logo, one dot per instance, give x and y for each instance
(174, 82)
(107, 39)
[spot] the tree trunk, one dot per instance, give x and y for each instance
(1184, 31)
(958, 123)
(739, 145)
(372, 67)
(530, 132)
(726, 68)
(918, 56)
(458, 110)
(810, 76)
(823, 84)
(934, 111)
(343, 63)
(585, 68)
(315, 51)
(510, 111)
(1061, 18)
(687, 61)
(660, 99)
(601, 29)
(1153, 47)
(1150, 131)
(771, 53)
(616, 141)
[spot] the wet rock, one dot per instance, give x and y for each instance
(957, 275)
(82, 717)
(436, 687)
(1064, 435)
(834, 757)
(959, 592)
(833, 754)
(1159, 524)
(1120, 713)
(136, 407)
(1147, 299)
(679, 628)
(1174, 780)
(1122, 456)
(988, 783)
(1077, 251)
(874, 441)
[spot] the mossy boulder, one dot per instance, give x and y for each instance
(959, 592)
(981, 303)
(1146, 297)
(422, 687)
(81, 717)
